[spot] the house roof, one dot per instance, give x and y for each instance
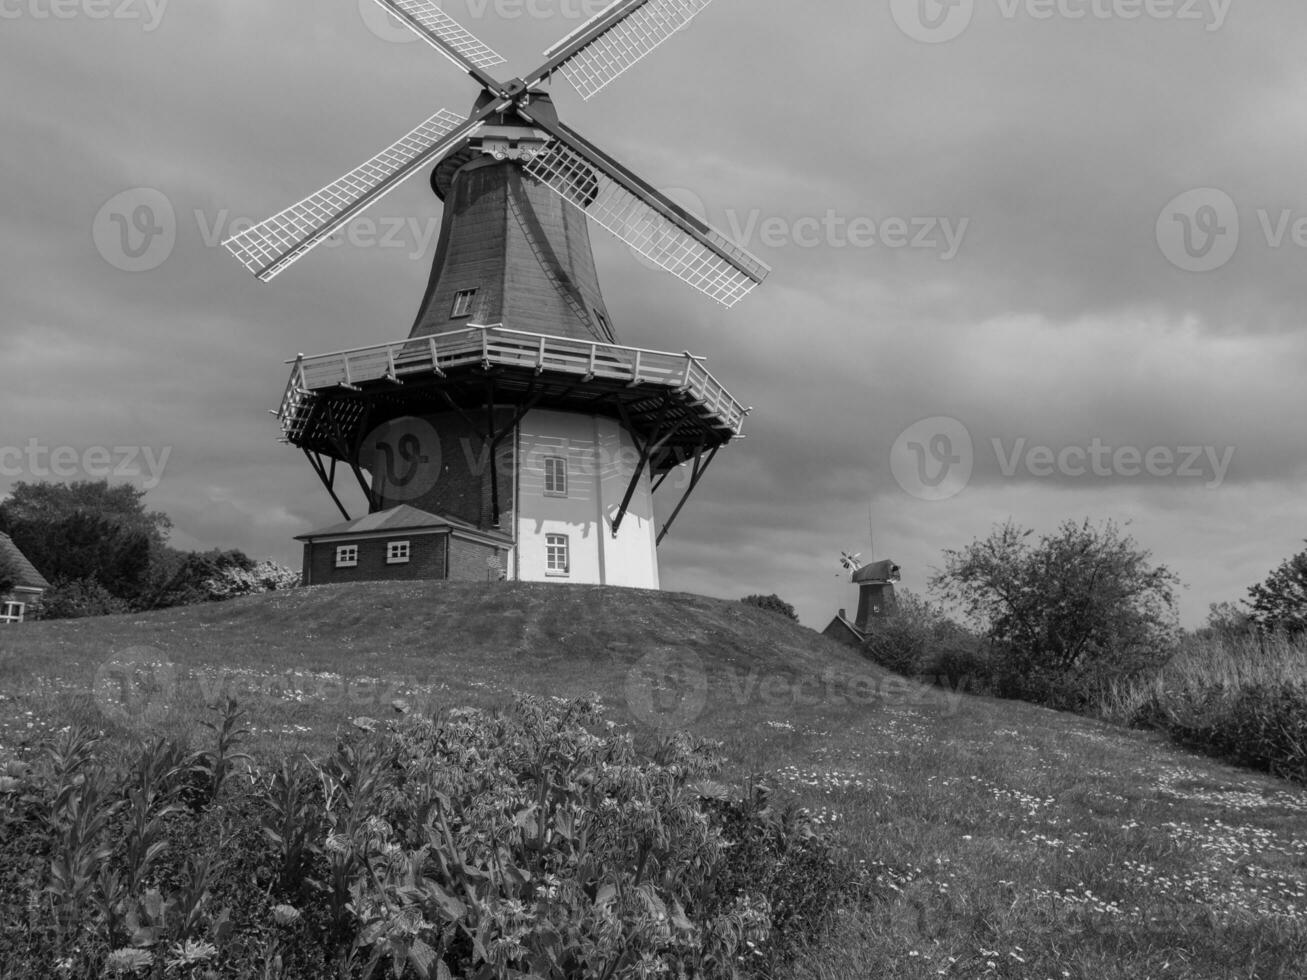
(28, 576)
(401, 518)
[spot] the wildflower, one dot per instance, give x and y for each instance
(285, 915)
(123, 961)
(190, 952)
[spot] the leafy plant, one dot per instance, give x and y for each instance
(532, 844)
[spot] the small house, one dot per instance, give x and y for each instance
(403, 544)
(29, 584)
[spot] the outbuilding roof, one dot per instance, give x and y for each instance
(28, 576)
(402, 518)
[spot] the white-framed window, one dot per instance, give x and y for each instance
(397, 552)
(556, 476)
(463, 303)
(347, 556)
(12, 612)
(556, 558)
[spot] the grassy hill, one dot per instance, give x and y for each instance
(1014, 841)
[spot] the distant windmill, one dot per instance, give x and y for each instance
(513, 347)
(876, 599)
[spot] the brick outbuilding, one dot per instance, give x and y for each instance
(403, 544)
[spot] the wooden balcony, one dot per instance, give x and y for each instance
(331, 398)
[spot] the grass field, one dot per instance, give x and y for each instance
(1012, 841)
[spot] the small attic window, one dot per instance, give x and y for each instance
(463, 303)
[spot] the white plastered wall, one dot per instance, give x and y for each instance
(601, 457)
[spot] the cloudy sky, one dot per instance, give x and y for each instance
(1034, 259)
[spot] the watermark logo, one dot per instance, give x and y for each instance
(385, 24)
(647, 233)
(933, 459)
(135, 687)
(667, 689)
(136, 230)
(404, 457)
(1198, 231)
(933, 21)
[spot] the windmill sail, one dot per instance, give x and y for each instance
(269, 247)
(617, 38)
(648, 221)
(442, 32)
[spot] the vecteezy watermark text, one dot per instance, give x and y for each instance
(938, 21)
(39, 461)
(938, 234)
(934, 459)
(671, 688)
(148, 12)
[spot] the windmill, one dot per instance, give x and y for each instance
(511, 406)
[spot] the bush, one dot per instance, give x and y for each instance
(1242, 700)
(79, 598)
(920, 639)
(265, 576)
(477, 846)
(772, 603)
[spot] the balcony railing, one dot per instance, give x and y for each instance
(495, 345)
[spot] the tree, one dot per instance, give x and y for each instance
(772, 603)
(8, 575)
(87, 531)
(1060, 607)
(1280, 602)
(48, 503)
(1227, 622)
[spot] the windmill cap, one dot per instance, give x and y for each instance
(877, 571)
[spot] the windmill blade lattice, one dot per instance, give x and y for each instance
(707, 259)
(273, 245)
(591, 62)
(442, 32)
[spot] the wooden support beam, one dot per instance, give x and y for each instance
(645, 452)
(695, 477)
(328, 479)
(350, 455)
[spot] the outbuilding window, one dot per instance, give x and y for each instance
(397, 553)
(12, 612)
(347, 556)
